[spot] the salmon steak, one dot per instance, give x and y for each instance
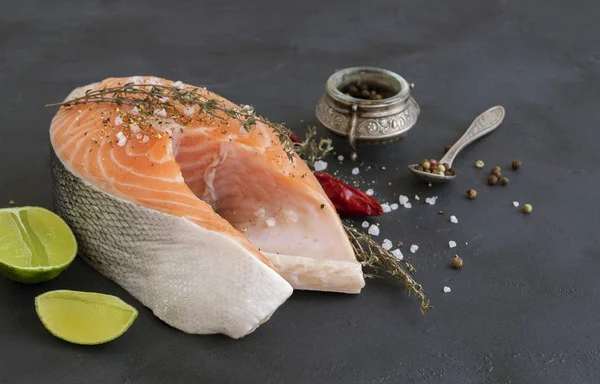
(205, 219)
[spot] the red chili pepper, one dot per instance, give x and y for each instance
(346, 199)
(295, 138)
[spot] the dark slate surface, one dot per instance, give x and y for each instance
(523, 309)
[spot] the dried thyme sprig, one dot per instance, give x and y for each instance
(157, 96)
(381, 261)
(310, 149)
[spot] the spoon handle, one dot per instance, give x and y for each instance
(481, 126)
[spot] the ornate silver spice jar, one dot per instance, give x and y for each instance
(377, 121)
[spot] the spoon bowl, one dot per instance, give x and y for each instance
(430, 177)
(481, 126)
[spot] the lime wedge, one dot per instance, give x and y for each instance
(35, 244)
(84, 317)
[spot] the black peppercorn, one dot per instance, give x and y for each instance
(471, 194)
(492, 180)
(516, 164)
(504, 181)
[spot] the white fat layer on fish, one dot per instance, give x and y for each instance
(297, 271)
(179, 270)
(226, 150)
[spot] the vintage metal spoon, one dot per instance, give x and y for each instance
(481, 126)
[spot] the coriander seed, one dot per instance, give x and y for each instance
(471, 194)
(457, 262)
(479, 164)
(492, 180)
(527, 208)
(516, 164)
(504, 181)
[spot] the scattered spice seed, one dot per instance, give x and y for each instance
(471, 194)
(12, 202)
(479, 164)
(496, 171)
(504, 181)
(400, 244)
(322, 206)
(516, 164)
(492, 180)
(527, 208)
(417, 197)
(457, 262)
(441, 212)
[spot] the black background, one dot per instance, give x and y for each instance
(524, 307)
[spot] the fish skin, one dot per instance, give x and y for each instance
(143, 250)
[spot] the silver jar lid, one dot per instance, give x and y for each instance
(380, 121)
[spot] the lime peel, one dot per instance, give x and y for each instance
(86, 318)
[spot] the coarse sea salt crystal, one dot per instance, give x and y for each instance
(188, 111)
(134, 111)
(453, 219)
(320, 165)
(447, 290)
(387, 244)
(163, 99)
(365, 224)
(134, 128)
(271, 222)
(452, 244)
(414, 248)
(145, 139)
(160, 112)
(430, 200)
(341, 157)
(394, 206)
(396, 252)
(118, 120)
(370, 192)
(355, 171)
(407, 205)
(403, 199)
(386, 208)
(373, 230)
(178, 84)
(122, 139)
(515, 204)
